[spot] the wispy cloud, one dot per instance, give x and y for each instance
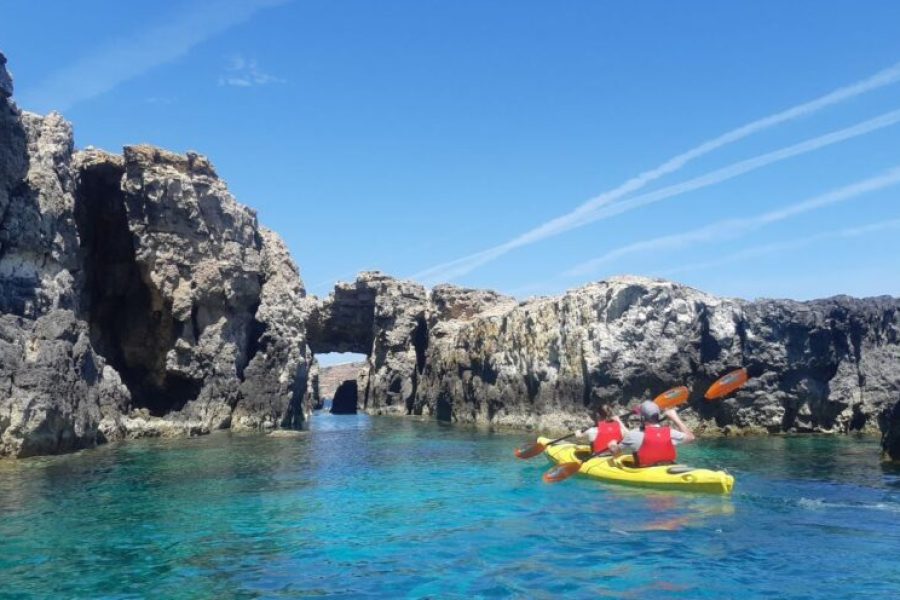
(731, 228)
(130, 56)
(586, 212)
(466, 264)
(778, 247)
(243, 72)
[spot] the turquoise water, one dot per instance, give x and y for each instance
(378, 507)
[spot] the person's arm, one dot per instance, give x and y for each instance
(680, 426)
(590, 432)
(622, 427)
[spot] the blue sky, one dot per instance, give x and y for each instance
(458, 139)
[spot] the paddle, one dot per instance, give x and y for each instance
(537, 447)
(667, 399)
(670, 399)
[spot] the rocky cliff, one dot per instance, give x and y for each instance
(463, 355)
(137, 298)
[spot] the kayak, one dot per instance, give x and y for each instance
(622, 470)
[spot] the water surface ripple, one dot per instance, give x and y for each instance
(376, 507)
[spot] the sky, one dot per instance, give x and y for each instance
(748, 150)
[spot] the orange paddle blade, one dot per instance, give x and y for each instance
(529, 451)
(561, 471)
(672, 398)
(726, 384)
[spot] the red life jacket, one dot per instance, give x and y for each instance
(657, 447)
(607, 431)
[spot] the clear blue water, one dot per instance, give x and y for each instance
(377, 507)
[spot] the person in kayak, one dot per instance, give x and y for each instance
(608, 430)
(654, 444)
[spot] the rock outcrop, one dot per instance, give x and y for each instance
(826, 365)
(384, 318)
(464, 355)
(56, 393)
(137, 298)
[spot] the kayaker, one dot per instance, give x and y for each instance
(608, 430)
(654, 443)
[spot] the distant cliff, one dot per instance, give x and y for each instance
(331, 377)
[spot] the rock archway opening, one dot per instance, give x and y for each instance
(130, 325)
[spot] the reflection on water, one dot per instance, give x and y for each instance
(382, 507)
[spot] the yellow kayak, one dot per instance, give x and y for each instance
(621, 470)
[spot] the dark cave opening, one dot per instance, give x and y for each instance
(420, 342)
(345, 399)
(130, 327)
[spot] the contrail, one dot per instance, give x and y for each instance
(731, 228)
(573, 219)
(565, 223)
(127, 57)
(777, 247)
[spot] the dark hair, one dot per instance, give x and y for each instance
(602, 412)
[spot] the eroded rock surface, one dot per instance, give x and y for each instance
(199, 308)
(384, 318)
(56, 393)
(137, 297)
(462, 355)
(825, 365)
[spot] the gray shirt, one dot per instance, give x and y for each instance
(635, 437)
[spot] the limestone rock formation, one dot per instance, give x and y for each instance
(56, 393)
(137, 297)
(384, 318)
(198, 308)
(826, 365)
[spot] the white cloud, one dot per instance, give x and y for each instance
(131, 55)
(243, 72)
(588, 211)
(731, 228)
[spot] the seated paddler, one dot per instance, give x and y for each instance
(654, 443)
(608, 430)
